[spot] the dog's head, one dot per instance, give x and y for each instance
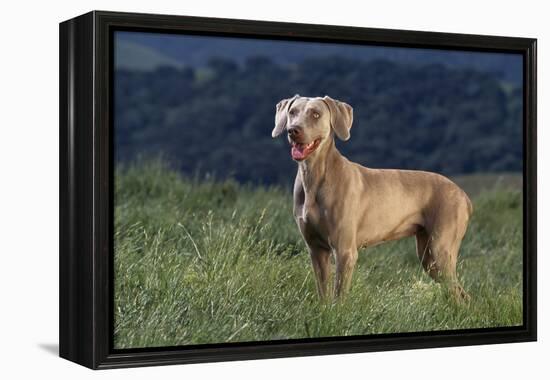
(311, 122)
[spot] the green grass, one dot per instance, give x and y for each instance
(198, 261)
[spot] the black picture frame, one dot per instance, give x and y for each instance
(86, 189)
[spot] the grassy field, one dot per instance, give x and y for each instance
(211, 262)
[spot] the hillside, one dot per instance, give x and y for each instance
(217, 120)
(133, 56)
(196, 51)
(201, 262)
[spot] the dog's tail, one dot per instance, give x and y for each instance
(470, 205)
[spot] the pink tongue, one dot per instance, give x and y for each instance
(297, 153)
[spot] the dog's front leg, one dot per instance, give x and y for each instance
(345, 264)
(320, 260)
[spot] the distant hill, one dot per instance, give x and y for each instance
(218, 119)
(134, 56)
(196, 51)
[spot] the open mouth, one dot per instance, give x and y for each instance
(300, 151)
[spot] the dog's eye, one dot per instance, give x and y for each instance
(292, 112)
(316, 115)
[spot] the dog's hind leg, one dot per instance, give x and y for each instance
(440, 258)
(424, 253)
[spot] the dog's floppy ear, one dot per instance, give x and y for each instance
(341, 117)
(280, 115)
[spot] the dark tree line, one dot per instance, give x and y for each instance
(217, 119)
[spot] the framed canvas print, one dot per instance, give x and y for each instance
(235, 189)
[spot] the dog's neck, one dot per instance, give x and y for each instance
(313, 170)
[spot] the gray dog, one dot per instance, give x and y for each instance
(341, 206)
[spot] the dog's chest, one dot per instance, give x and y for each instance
(312, 218)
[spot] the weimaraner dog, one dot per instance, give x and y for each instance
(341, 206)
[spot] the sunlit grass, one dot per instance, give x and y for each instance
(199, 261)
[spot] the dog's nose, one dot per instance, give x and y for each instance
(294, 131)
